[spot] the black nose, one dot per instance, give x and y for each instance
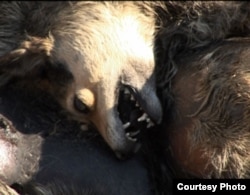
(126, 154)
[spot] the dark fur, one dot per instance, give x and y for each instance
(203, 83)
(58, 188)
(188, 26)
(208, 127)
(54, 156)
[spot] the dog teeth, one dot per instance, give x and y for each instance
(150, 124)
(126, 125)
(132, 139)
(133, 133)
(143, 117)
(133, 117)
(129, 136)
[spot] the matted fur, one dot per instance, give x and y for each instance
(203, 81)
(185, 26)
(210, 130)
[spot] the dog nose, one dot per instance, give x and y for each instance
(127, 153)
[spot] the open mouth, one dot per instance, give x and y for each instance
(132, 113)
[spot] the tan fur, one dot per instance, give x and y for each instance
(102, 45)
(6, 190)
(31, 53)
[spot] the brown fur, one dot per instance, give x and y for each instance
(202, 125)
(203, 80)
(210, 131)
(188, 26)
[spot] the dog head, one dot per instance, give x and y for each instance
(108, 48)
(99, 53)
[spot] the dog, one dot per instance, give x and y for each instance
(201, 69)
(209, 131)
(88, 52)
(46, 153)
(203, 82)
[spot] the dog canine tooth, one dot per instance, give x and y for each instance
(142, 118)
(128, 135)
(134, 133)
(126, 125)
(150, 124)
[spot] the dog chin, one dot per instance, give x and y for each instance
(136, 112)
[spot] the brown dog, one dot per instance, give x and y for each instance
(209, 133)
(95, 49)
(203, 80)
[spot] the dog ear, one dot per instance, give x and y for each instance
(32, 53)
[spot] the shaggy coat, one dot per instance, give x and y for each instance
(202, 63)
(209, 131)
(85, 52)
(203, 82)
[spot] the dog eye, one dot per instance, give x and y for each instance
(80, 106)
